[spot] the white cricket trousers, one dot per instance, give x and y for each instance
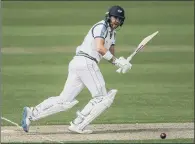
(82, 72)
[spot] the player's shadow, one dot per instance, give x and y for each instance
(115, 131)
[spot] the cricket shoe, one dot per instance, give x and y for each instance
(74, 128)
(26, 118)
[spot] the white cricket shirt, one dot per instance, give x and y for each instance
(100, 29)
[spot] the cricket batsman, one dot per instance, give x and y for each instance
(83, 71)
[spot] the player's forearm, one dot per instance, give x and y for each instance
(112, 50)
(102, 50)
(107, 54)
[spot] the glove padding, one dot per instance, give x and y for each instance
(123, 64)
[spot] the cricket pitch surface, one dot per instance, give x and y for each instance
(60, 133)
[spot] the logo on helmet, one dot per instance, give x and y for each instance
(120, 11)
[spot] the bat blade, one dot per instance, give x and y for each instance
(140, 46)
(145, 41)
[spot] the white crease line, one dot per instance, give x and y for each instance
(3, 118)
(11, 122)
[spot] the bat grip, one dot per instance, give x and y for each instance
(119, 70)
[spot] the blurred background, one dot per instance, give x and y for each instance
(40, 38)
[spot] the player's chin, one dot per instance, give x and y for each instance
(115, 26)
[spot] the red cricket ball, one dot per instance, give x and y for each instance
(163, 135)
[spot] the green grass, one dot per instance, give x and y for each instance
(159, 88)
(152, 91)
(46, 24)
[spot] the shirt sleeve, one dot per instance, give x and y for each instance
(100, 30)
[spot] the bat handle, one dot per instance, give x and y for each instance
(119, 70)
(130, 57)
